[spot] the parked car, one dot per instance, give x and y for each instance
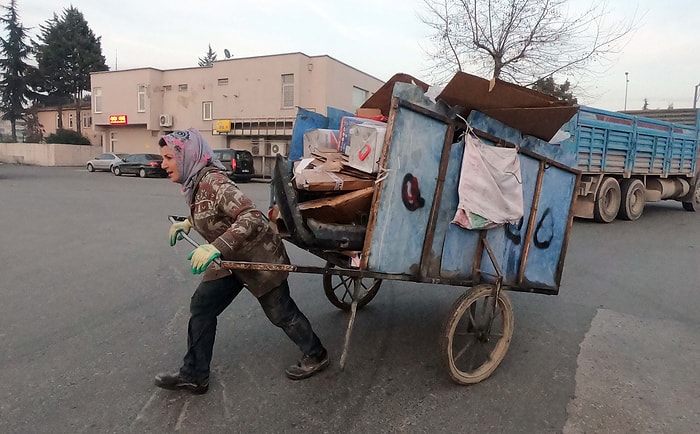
(142, 165)
(104, 161)
(238, 163)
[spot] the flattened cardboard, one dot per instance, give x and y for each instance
(540, 122)
(382, 97)
(534, 113)
(524, 109)
(319, 138)
(367, 112)
(345, 208)
(318, 180)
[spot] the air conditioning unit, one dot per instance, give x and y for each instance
(165, 120)
(278, 149)
(255, 150)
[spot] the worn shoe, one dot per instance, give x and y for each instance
(308, 366)
(177, 381)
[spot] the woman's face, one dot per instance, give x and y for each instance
(169, 163)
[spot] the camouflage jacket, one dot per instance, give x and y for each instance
(228, 220)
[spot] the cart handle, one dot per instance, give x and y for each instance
(195, 244)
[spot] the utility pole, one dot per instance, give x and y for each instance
(627, 82)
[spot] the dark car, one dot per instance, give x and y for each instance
(143, 165)
(238, 163)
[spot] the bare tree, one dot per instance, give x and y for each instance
(521, 41)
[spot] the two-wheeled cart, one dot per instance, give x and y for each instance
(409, 236)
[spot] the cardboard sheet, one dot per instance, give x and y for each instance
(319, 180)
(344, 208)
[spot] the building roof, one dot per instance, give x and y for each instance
(233, 59)
(683, 116)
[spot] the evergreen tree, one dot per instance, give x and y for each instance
(15, 86)
(68, 53)
(34, 131)
(560, 91)
(54, 90)
(208, 59)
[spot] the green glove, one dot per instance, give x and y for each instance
(176, 230)
(201, 257)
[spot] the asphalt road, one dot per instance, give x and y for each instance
(94, 304)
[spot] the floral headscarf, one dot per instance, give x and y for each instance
(192, 154)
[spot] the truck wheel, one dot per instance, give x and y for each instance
(633, 199)
(693, 206)
(607, 201)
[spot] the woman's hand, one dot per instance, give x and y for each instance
(202, 256)
(176, 230)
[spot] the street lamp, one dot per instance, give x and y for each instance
(627, 82)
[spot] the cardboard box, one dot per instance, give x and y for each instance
(368, 112)
(319, 139)
(346, 122)
(366, 143)
(319, 180)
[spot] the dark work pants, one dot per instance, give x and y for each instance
(212, 297)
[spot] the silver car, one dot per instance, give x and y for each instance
(104, 161)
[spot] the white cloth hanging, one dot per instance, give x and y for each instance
(490, 186)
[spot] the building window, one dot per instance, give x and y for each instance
(167, 88)
(71, 123)
(113, 141)
(287, 90)
(58, 121)
(141, 98)
(87, 120)
(207, 109)
(222, 81)
(359, 96)
(97, 99)
(182, 87)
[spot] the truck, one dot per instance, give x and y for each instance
(628, 160)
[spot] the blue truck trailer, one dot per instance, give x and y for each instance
(628, 160)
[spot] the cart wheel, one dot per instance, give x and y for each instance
(339, 289)
(475, 338)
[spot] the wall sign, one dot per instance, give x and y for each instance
(117, 120)
(222, 125)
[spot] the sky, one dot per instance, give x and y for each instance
(379, 37)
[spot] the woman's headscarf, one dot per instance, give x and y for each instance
(192, 154)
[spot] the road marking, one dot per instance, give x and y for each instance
(170, 327)
(141, 414)
(183, 415)
(636, 375)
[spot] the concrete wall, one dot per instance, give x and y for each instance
(45, 154)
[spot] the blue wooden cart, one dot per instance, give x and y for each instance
(419, 244)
